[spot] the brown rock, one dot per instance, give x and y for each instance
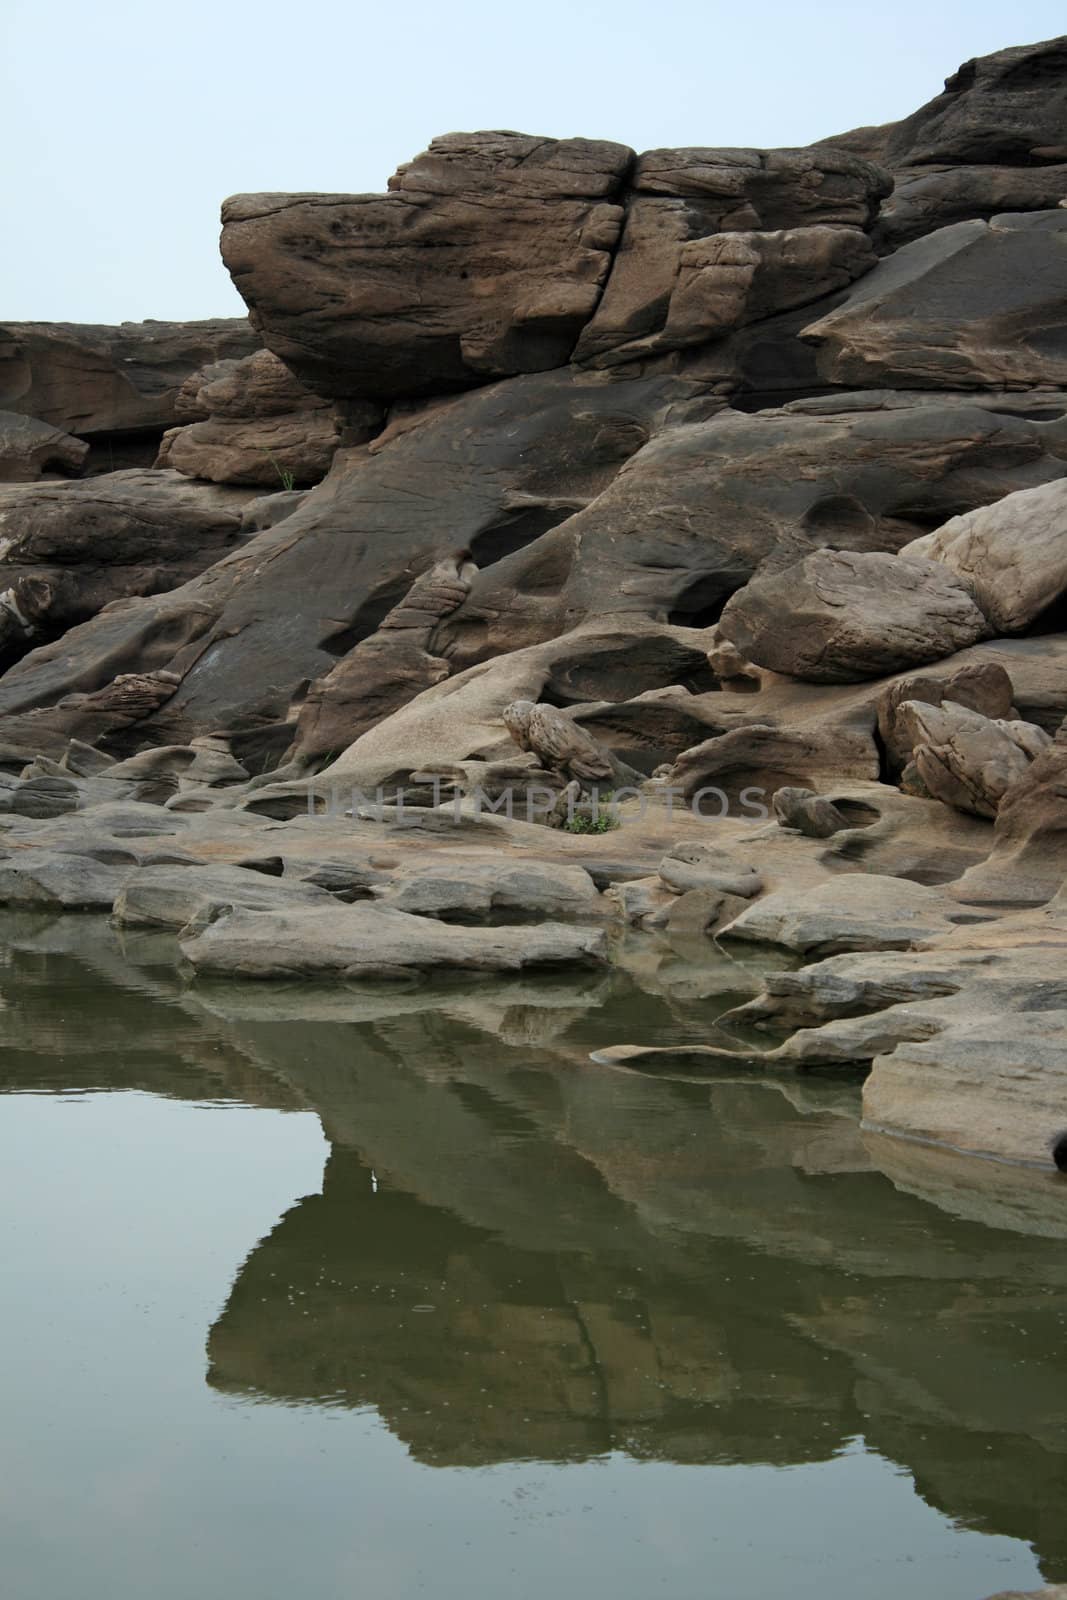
(255, 423)
(486, 258)
(29, 448)
(984, 687)
(69, 549)
(681, 197)
(838, 616)
(1012, 555)
(1028, 864)
(978, 304)
(95, 379)
(964, 759)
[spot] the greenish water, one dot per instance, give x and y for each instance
(329, 1294)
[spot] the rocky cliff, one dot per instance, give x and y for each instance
(746, 469)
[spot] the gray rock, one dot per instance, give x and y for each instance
(371, 941)
(172, 896)
(1012, 555)
(811, 814)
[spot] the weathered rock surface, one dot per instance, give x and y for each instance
(704, 505)
(860, 911)
(90, 379)
(30, 448)
(255, 423)
(370, 941)
(474, 891)
(682, 198)
(930, 197)
(993, 141)
(384, 672)
(69, 549)
(1012, 555)
(984, 687)
(486, 258)
(965, 759)
(838, 616)
(1010, 106)
(722, 282)
(976, 304)
(172, 896)
(1028, 863)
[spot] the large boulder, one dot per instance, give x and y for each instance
(255, 423)
(1012, 555)
(486, 258)
(69, 549)
(89, 379)
(978, 304)
(965, 759)
(29, 447)
(365, 941)
(838, 616)
(982, 686)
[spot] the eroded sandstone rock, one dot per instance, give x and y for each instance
(838, 616)
(977, 304)
(486, 258)
(30, 448)
(90, 379)
(1012, 555)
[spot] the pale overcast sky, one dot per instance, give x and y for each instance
(128, 122)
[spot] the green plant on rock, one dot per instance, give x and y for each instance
(288, 479)
(597, 820)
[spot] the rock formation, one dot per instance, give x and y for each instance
(736, 475)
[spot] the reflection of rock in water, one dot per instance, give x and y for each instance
(684, 1271)
(689, 1272)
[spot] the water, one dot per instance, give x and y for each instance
(328, 1293)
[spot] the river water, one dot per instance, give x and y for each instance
(330, 1292)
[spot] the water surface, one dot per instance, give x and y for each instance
(337, 1292)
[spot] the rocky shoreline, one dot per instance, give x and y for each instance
(718, 498)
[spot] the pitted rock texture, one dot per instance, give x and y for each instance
(486, 258)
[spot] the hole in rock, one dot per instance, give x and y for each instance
(1053, 619)
(515, 532)
(634, 667)
(117, 452)
(700, 603)
(1059, 1151)
(857, 814)
(262, 749)
(367, 619)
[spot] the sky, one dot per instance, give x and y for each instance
(129, 122)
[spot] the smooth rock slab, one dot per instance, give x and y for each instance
(369, 941)
(51, 879)
(171, 896)
(996, 1086)
(860, 911)
(478, 889)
